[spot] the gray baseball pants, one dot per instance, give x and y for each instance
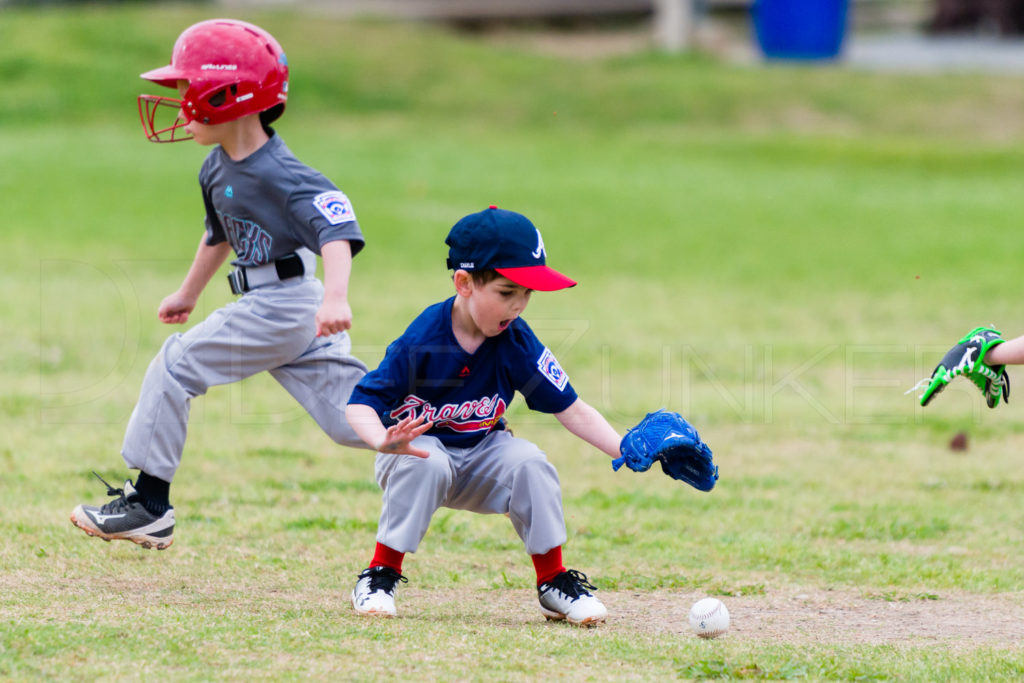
(271, 328)
(502, 474)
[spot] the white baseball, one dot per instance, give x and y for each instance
(709, 618)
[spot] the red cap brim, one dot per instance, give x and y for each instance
(539, 278)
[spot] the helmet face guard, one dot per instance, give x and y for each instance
(233, 69)
(162, 119)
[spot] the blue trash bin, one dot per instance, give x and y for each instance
(800, 29)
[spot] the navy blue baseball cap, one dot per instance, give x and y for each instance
(505, 241)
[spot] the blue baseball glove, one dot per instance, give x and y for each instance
(668, 438)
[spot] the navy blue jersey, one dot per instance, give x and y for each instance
(269, 204)
(426, 372)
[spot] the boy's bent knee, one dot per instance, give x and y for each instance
(536, 475)
(537, 467)
(176, 362)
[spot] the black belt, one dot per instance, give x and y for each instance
(246, 278)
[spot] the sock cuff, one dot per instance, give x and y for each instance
(383, 556)
(548, 565)
(154, 493)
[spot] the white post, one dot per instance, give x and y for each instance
(673, 24)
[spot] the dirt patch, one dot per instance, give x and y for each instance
(827, 617)
(959, 621)
(791, 615)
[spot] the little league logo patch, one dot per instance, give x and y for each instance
(335, 207)
(549, 367)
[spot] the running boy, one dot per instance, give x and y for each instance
(442, 389)
(276, 214)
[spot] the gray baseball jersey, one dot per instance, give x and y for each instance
(270, 204)
(266, 206)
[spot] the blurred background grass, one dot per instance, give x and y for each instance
(778, 252)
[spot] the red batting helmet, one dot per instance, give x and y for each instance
(233, 69)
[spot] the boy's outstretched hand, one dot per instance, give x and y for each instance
(335, 315)
(398, 437)
(174, 309)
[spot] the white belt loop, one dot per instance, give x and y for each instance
(308, 257)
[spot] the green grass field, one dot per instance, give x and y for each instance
(778, 253)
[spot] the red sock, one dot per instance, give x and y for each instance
(549, 565)
(384, 556)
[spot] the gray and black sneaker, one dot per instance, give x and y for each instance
(567, 597)
(125, 518)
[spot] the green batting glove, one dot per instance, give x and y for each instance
(967, 358)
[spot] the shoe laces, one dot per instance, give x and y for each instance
(573, 584)
(383, 579)
(114, 506)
